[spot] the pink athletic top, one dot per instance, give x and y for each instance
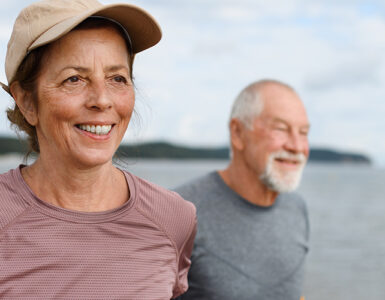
(140, 250)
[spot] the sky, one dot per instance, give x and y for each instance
(331, 52)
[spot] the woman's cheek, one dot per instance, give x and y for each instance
(126, 106)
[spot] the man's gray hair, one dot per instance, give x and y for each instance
(248, 105)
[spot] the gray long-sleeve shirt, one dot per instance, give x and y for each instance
(244, 251)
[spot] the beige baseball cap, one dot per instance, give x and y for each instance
(46, 21)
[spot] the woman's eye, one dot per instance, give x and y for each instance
(120, 79)
(72, 79)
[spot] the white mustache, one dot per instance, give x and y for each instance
(282, 154)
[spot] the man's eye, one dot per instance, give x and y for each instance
(304, 133)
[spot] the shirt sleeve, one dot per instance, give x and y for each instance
(185, 261)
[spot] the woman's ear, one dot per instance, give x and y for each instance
(24, 100)
(236, 134)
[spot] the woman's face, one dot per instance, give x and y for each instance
(85, 98)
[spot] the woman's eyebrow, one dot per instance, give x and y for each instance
(86, 70)
(116, 68)
(76, 68)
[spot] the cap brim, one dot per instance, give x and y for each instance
(142, 28)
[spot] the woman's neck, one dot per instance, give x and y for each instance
(87, 189)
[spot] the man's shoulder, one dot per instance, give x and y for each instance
(197, 188)
(293, 199)
(295, 205)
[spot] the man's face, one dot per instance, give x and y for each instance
(276, 148)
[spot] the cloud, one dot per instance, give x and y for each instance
(347, 74)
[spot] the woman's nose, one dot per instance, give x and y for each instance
(99, 98)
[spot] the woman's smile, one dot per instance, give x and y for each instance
(96, 129)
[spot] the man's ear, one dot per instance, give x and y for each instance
(24, 100)
(236, 134)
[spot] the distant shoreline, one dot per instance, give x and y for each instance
(168, 150)
(165, 150)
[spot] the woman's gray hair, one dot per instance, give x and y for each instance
(248, 105)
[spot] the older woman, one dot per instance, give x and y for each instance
(73, 226)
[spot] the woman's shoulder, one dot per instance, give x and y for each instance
(4, 177)
(10, 180)
(11, 200)
(155, 195)
(176, 216)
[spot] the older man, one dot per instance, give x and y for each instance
(252, 234)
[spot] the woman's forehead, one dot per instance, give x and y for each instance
(87, 44)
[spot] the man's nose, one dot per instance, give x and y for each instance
(297, 143)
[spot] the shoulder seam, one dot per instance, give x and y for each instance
(2, 230)
(164, 232)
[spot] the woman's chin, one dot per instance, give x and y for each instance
(93, 159)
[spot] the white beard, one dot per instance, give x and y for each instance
(283, 181)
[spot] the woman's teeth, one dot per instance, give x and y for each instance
(98, 129)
